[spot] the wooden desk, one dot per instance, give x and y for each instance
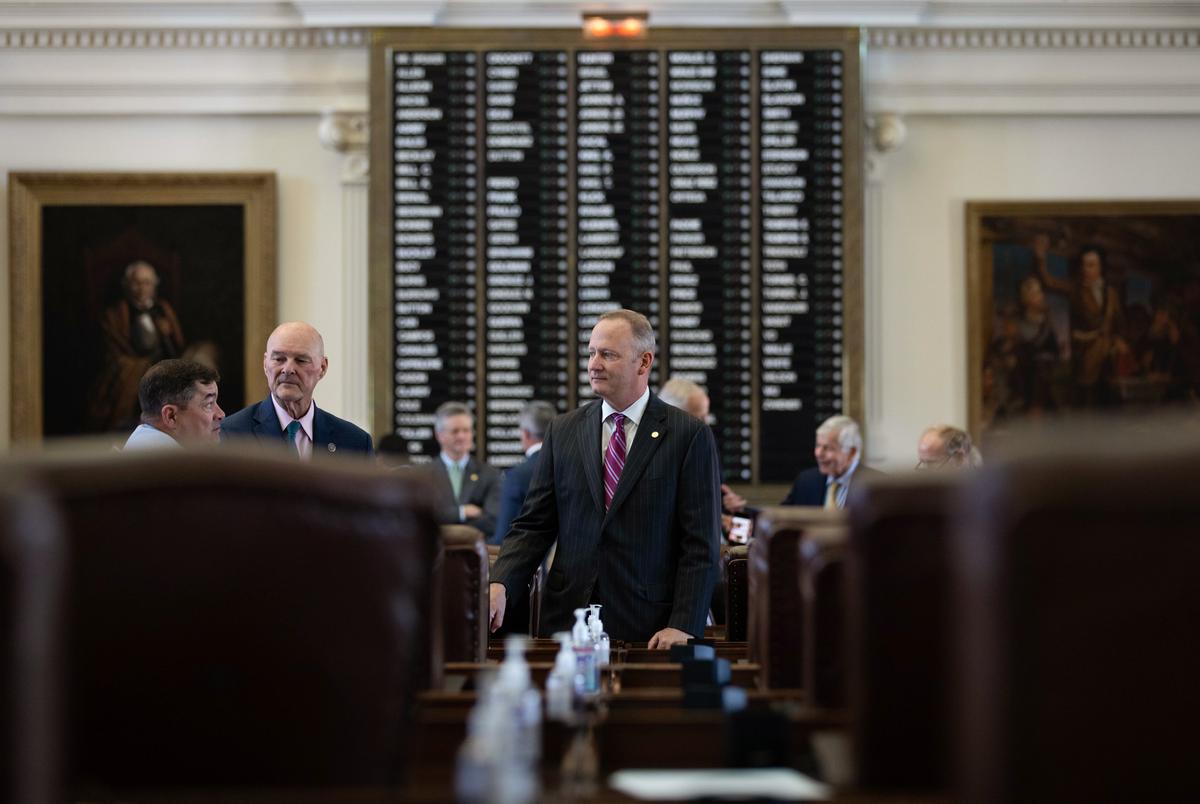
(619, 676)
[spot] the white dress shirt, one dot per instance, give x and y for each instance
(633, 415)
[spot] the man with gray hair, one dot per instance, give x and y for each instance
(687, 396)
(469, 489)
(628, 487)
(946, 447)
(838, 452)
(535, 418)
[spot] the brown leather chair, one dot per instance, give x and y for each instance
(823, 587)
(900, 610)
(464, 594)
(31, 577)
(241, 619)
(777, 611)
(1078, 576)
(736, 562)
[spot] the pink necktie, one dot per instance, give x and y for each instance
(614, 459)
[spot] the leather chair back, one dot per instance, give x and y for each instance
(737, 594)
(241, 619)
(1078, 576)
(776, 605)
(464, 594)
(823, 589)
(31, 577)
(900, 634)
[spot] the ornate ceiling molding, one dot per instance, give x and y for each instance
(1031, 38)
(183, 38)
(880, 38)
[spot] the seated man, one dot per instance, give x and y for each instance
(179, 406)
(469, 489)
(838, 452)
(946, 447)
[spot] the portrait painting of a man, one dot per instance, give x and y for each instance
(143, 272)
(119, 271)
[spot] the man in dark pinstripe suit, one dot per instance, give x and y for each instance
(636, 514)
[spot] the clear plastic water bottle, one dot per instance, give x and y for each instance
(585, 653)
(599, 639)
(563, 686)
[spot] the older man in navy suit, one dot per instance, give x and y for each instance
(629, 488)
(294, 363)
(838, 452)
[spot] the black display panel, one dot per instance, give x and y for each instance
(617, 165)
(709, 268)
(801, 197)
(526, 240)
(699, 178)
(434, 209)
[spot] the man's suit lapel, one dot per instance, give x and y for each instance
(323, 434)
(442, 478)
(266, 423)
(651, 431)
(470, 477)
(589, 453)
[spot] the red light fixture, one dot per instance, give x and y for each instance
(623, 25)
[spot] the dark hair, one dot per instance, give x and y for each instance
(171, 382)
(1090, 248)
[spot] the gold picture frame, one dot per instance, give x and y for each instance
(1046, 338)
(72, 238)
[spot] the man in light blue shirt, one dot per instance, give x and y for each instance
(179, 406)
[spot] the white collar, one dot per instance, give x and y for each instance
(633, 412)
(533, 449)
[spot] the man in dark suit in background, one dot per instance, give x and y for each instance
(294, 363)
(535, 418)
(468, 489)
(630, 489)
(838, 452)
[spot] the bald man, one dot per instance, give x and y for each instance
(294, 363)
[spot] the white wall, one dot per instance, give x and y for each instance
(949, 160)
(309, 202)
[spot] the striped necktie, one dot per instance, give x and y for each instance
(293, 431)
(614, 459)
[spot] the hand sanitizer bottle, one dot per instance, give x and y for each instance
(585, 653)
(561, 689)
(599, 638)
(519, 696)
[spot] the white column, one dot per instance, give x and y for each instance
(887, 132)
(346, 133)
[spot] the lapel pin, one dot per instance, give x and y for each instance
(474, 477)
(332, 447)
(654, 434)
